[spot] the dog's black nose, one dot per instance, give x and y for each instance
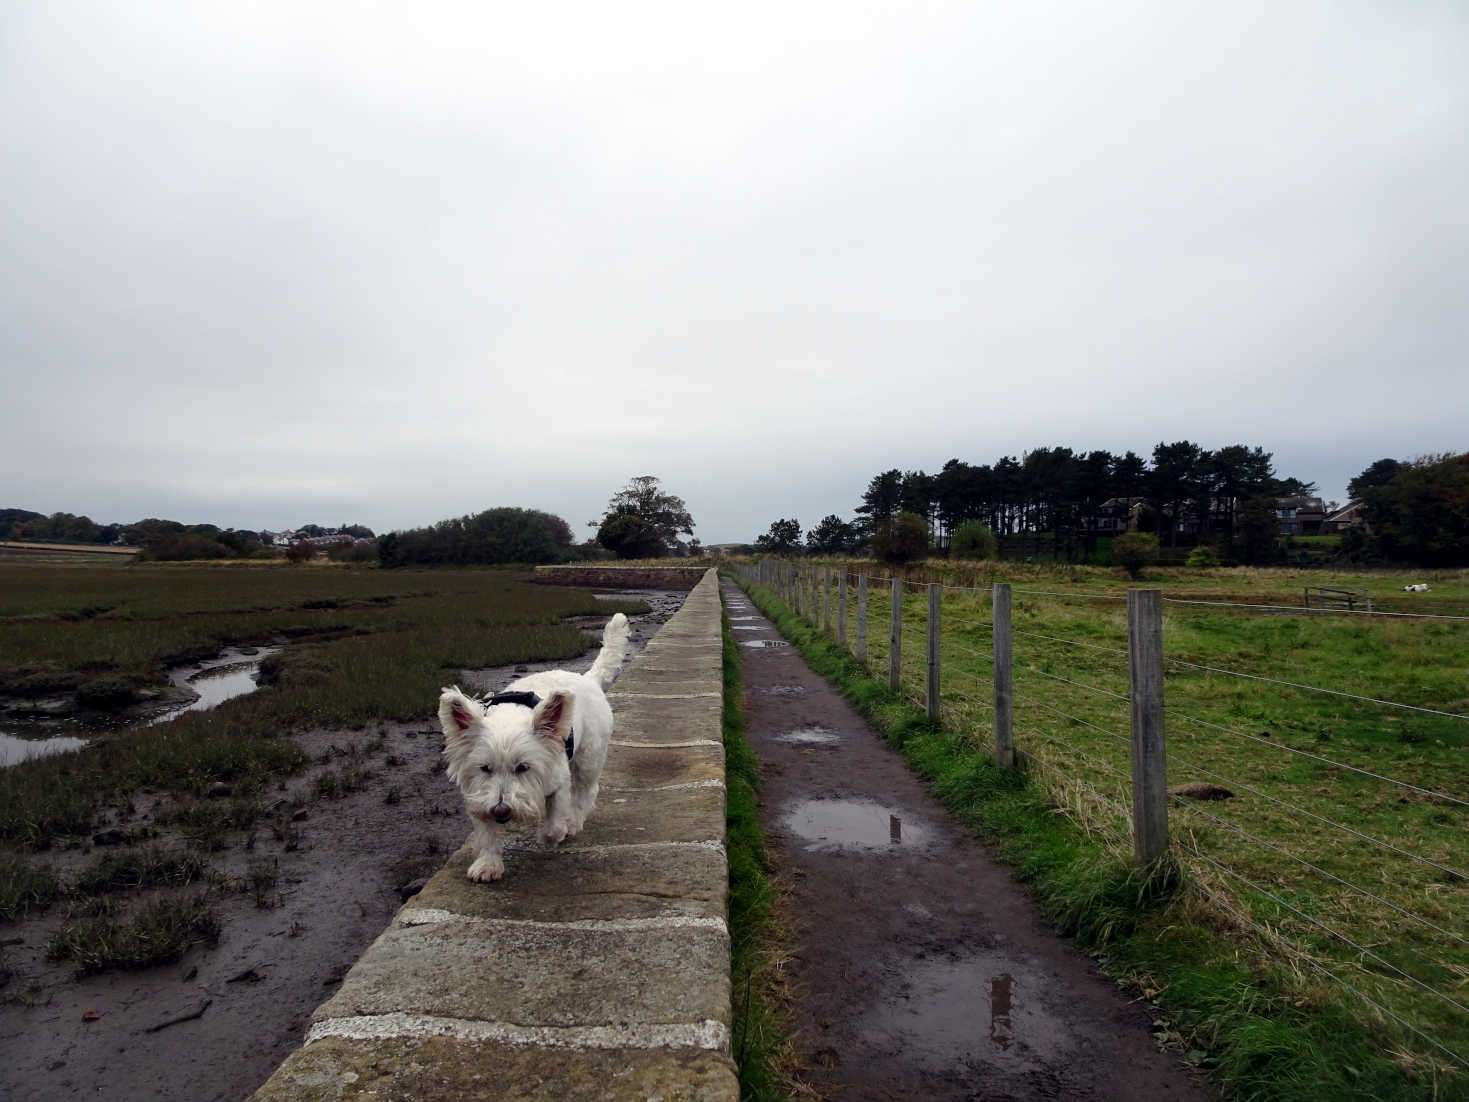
(500, 813)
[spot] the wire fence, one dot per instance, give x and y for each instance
(1315, 784)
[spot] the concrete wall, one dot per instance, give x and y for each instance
(599, 970)
(622, 577)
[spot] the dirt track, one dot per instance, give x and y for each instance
(921, 969)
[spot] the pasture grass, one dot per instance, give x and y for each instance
(1241, 971)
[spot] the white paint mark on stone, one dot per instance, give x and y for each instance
(707, 1034)
(662, 787)
(668, 745)
(662, 696)
(432, 916)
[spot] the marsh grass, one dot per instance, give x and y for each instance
(141, 867)
(370, 646)
(1214, 953)
(25, 885)
(108, 934)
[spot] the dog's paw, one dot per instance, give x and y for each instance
(554, 833)
(485, 869)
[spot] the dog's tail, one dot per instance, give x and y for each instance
(614, 647)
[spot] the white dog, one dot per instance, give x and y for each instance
(532, 752)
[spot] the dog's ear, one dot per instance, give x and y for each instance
(458, 713)
(552, 717)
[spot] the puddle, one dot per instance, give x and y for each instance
(14, 749)
(747, 627)
(765, 643)
(852, 824)
(216, 680)
(786, 690)
(810, 736)
(974, 1010)
(744, 617)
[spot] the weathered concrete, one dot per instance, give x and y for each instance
(598, 970)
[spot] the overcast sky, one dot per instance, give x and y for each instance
(268, 264)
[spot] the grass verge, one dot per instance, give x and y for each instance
(760, 1034)
(1260, 1025)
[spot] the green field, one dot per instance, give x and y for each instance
(1387, 916)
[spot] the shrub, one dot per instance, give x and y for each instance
(973, 540)
(1202, 556)
(1133, 551)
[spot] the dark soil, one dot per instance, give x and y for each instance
(344, 865)
(919, 967)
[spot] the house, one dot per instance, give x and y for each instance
(1115, 516)
(1300, 515)
(1346, 517)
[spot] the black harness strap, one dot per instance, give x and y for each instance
(528, 700)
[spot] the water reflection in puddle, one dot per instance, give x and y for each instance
(786, 690)
(765, 643)
(973, 1010)
(810, 736)
(744, 617)
(746, 627)
(219, 679)
(852, 824)
(13, 749)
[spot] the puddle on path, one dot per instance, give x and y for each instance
(785, 690)
(852, 824)
(765, 643)
(748, 627)
(744, 617)
(810, 736)
(973, 1010)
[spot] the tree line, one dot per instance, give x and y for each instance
(1066, 501)
(159, 539)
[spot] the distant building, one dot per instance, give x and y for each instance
(1300, 515)
(1346, 517)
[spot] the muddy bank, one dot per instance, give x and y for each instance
(920, 969)
(303, 893)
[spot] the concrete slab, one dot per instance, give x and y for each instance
(699, 678)
(538, 975)
(449, 1069)
(639, 882)
(665, 719)
(639, 767)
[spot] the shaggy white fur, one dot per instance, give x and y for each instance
(510, 761)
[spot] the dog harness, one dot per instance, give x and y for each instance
(528, 700)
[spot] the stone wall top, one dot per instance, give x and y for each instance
(598, 970)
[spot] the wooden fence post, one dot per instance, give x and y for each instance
(842, 609)
(935, 604)
(862, 618)
(895, 636)
(826, 599)
(1000, 640)
(1149, 760)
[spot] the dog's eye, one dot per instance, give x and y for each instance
(521, 768)
(485, 769)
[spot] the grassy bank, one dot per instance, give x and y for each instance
(1263, 1023)
(760, 1035)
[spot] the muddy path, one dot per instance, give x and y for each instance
(920, 967)
(216, 1024)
